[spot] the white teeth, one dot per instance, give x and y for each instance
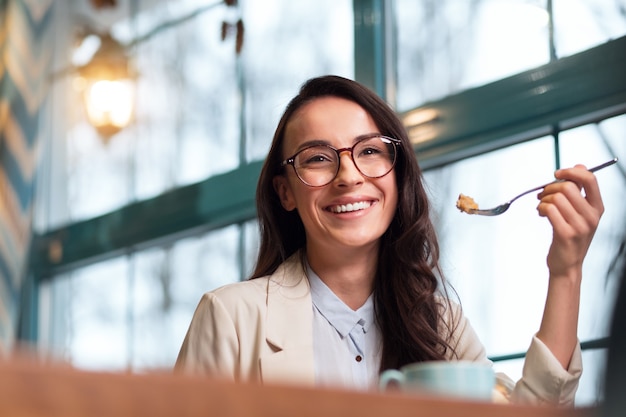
(344, 208)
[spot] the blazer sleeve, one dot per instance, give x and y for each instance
(543, 378)
(544, 381)
(210, 346)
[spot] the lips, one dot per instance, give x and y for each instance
(346, 208)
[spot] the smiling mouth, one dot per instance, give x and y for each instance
(345, 208)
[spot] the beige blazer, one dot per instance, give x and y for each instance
(257, 330)
(261, 331)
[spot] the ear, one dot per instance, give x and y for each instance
(283, 189)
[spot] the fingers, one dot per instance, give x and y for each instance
(573, 207)
(568, 192)
(585, 180)
(566, 202)
(570, 215)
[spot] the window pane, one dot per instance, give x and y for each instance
(133, 312)
(591, 385)
(583, 24)
(54, 316)
(168, 285)
(188, 103)
(155, 327)
(288, 42)
(592, 145)
(98, 175)
(252, 241)
(496, 264)
(100, 308)
(83, 316)
(451, 45)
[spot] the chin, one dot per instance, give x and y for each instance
(362, 242)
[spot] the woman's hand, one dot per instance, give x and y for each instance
(574, 208)
(574, 216)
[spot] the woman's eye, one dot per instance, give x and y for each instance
(316, 158)
(370, 151)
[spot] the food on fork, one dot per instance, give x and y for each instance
(466, 203)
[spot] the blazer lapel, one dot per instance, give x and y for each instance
(289, 326)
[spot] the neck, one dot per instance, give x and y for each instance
(349, 275)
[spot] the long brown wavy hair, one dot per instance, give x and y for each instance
(408, 283)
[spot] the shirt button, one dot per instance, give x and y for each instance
(358, 358)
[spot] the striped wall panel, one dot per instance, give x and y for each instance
(25, 62)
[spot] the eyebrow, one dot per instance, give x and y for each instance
(316, 142)
(313, 142)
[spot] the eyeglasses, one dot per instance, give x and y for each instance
(318, 165)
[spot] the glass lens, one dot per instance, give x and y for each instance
(374, 157)
(316, 165)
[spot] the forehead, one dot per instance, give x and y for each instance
(336, 120)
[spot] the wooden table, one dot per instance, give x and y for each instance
(28, 389)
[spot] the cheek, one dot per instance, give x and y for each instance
(302, 197)
(391, 191)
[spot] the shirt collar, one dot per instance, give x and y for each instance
(338, 314)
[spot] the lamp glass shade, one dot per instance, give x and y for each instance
(109, 105)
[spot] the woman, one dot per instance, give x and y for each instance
(347, 281)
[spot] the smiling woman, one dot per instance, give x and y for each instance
(347, 281)
(165, 212)
(309, 240)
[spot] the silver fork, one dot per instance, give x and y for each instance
(504, 207)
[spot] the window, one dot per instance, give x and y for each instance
(202, 111)
(213, 118)
(460, 59)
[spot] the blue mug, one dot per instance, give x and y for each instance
(460, 379)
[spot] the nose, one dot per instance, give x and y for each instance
(348, 173)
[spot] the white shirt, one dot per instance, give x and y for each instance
(346, 343)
